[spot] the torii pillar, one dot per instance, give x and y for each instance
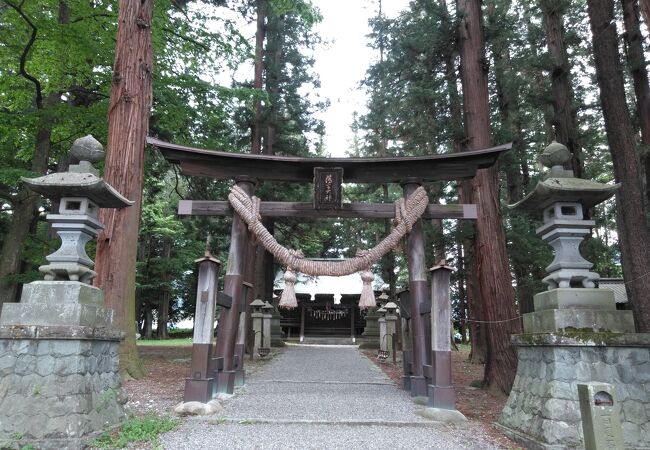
(233, 287)
(419, 291)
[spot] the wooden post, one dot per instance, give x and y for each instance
(407, 341)
(242, 332)
(352, 327)
(199, 386)
(441, 391)
(302, 322)
(418, 288)
(233, 286)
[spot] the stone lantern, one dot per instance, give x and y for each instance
(60, 333)
(575, 333)
(80, 193)
(561, 200)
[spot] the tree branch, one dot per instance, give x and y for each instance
(188, 39)
(26, 50)
(92, 16)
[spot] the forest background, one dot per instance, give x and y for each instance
(448, 77)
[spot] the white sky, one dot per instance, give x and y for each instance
(343, 60)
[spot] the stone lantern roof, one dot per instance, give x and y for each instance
(81, 180)
(561, 185)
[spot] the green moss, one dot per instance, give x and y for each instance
(587, 334)
(570, 335)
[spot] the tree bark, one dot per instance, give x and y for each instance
(632, 230)
(147, 330)
(637, 65)
(165, 294)
(462, 297)
(644, 6)
(256, 135)
(495, 288)
(564, 122)
(128, 124)
(274, 44)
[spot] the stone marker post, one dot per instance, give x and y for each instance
(601, 422)
(59, 368)
(267, 315)
(200, 385)
(257, 316)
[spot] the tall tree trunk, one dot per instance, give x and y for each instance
(566, 131)
(632, 231)
(147, 329)
(508, 105)
(462, 305)
(451, 81)
(256, 138)
(475, 314)
(165, 294)
(637, 64)
(274, 46)
(128, 124)
(644, 6)
(496, 292)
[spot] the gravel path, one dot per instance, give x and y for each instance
(312, 397)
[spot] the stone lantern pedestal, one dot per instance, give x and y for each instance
(59, 366)
(575, 335)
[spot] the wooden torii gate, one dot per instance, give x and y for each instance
(226, 364)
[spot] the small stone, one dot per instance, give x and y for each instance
(198, 408)
(87, 148)
(443, 415)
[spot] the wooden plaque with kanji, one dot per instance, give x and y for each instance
(327, 187)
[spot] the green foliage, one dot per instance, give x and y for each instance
(178, 342)
(135, 429)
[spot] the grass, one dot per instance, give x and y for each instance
(176, 342)
(136, 429)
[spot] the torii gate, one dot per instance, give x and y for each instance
(225, 364)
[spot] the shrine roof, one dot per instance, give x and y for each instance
(225, 165)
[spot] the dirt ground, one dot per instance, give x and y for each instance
(167, 368)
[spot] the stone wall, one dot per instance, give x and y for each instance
(543, 405)
(55, 392)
